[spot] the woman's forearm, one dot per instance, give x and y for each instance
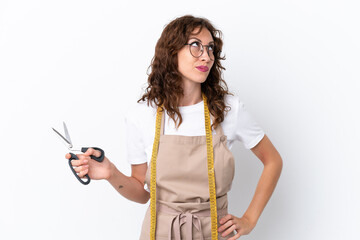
(129, 187)
(264, 189)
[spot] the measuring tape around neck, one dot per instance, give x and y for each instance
(211, 172)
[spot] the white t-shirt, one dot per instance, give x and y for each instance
(140, 121)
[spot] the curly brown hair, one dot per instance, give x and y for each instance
(165, 81)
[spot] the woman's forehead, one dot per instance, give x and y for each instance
(204, 33)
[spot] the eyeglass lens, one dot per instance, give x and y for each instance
(197, 49)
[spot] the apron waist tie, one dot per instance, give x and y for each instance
(187, 218)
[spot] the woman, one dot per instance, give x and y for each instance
(184, 82)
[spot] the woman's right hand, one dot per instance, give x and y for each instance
(86, 165)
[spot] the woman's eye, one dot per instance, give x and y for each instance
(195, 44)
(211, 47)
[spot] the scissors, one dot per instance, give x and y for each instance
(70, 146)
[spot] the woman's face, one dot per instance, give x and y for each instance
(192, 69)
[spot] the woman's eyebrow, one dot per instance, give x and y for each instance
(199, 39)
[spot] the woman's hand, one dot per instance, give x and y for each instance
(86, 165)
(229, 223)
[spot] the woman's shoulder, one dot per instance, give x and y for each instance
(236, 115)
(233, 99)
(140, 111)
(140, 116)
(234, 102)
(239, 124)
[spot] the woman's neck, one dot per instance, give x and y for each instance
(192, 95)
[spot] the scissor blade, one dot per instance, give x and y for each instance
(62, 137)
(67, 135)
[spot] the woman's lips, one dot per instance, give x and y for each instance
(203, 68)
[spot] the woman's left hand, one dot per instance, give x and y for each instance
(229, 223)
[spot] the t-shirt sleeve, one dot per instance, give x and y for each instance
(134, 140)
(247, 130)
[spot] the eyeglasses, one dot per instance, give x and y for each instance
(197, 49)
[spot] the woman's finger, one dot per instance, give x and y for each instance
(79, 162)
(235, 237)
(81, 174)
(229, 230)
(92, 152)
(225, 226)
(225, 219)
(81, 168)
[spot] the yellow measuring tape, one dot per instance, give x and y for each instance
(211, 172)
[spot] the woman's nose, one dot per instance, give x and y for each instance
(205, 56)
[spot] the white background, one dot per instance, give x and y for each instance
(295, 65)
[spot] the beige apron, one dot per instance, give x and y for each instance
(183, 207)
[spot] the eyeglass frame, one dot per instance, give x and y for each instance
(202, 49)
